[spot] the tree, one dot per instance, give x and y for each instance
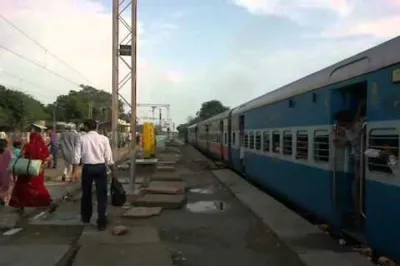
(211, 108)
(77, 105)
(207, 110)
(18, 109)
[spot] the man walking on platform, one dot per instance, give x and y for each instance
(68, 142)
(53, 146)
(94, 151)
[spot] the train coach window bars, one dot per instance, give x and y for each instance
(258, 140)
(276, 142)
(246, 140)
(321, 146)
(266, 141)
(385, 140)
(302, 145)
(251, 137)
(287, 143)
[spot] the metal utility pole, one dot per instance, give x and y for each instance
(153, 108)
(160, 117)
(127, 46)
(54, 116)
(90, 111)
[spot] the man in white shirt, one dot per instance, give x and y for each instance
(94, 151)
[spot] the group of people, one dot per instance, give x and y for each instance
(90, 152)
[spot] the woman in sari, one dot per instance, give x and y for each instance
(30, 191)
(5, 176)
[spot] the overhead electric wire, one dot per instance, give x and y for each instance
(44, 48)
(39, 65)
(26, 81)
(22, 79)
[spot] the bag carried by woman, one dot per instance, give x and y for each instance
(25, 166)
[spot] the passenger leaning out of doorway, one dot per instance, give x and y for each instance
(348, 132)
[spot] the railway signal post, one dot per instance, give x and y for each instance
(123, 48)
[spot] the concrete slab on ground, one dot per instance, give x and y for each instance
(151, 161)
(142, 212)
(59, 218)
(166, 168)
(165, 187)
(34, 255)
(160, 176)
(138, 179)
(135, 235)
(160, 200)
(8, 220)
(297, 233)
(165, 162)
(122, 255)
(123, 167)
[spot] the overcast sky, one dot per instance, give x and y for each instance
(191, 51)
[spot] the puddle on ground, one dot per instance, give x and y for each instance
(207, 190)
(207, 206)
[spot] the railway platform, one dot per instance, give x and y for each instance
(190, 213)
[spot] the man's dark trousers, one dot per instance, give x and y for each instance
(98, 174)
(54, 153)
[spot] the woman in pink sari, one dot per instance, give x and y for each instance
(31, 191)
(5, 176)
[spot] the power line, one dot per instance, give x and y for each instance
(26, 81)
(44, 48)
(39, 65)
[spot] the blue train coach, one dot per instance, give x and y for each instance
(283, 141)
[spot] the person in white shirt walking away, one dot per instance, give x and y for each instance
(94, 151)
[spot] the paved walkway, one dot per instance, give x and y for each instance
(196, 222)
(59, 191)
(199, 222)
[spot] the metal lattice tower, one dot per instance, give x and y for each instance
(122, 47)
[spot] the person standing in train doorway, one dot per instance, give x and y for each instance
(349, 133)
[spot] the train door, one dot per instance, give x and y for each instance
(241, 143)
(349, 106)
(230, 140)
(222, 139)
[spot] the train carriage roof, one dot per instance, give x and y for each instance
(192, 126)
(383, 55)
(217, 117)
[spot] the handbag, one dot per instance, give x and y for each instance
(118, 194)
(24, 167)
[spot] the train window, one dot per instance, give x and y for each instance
(266, 141)
(226, 138)
(233, 138)
(251, 137)
(258, 140)
(287, 143)
(302, 145)
(246, 140)
(321, 146)
(385, 139)
(276, 142)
